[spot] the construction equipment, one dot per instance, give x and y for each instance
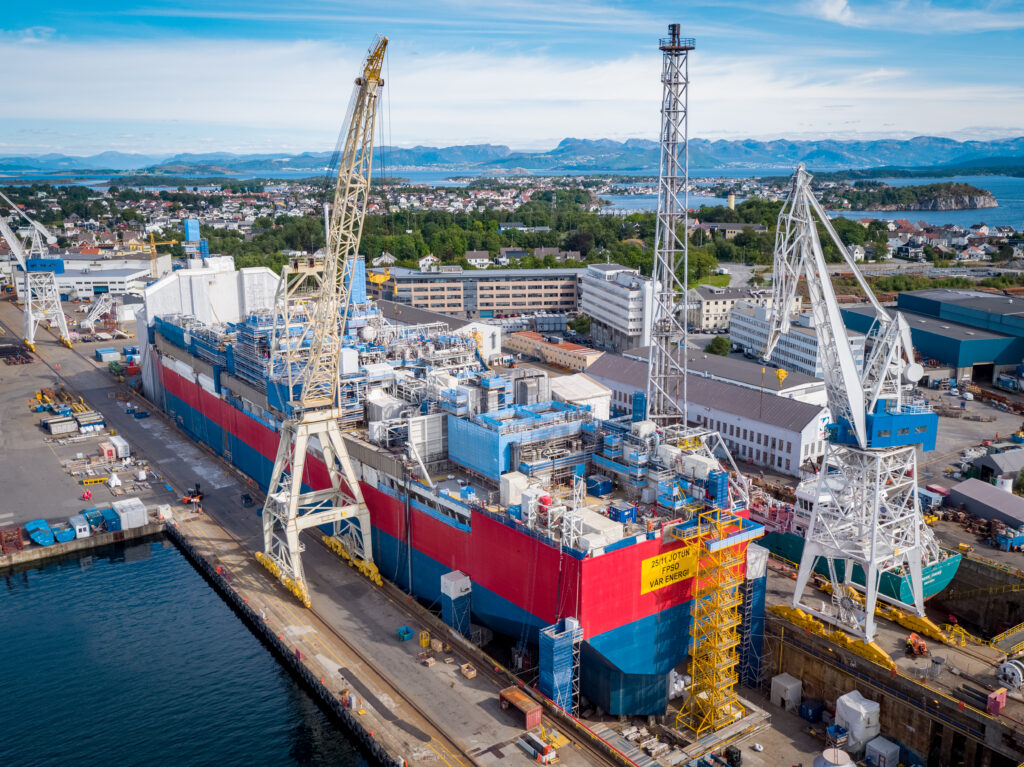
(867, 514)
(916, 645)
(104, 304)
(39, 283)
(313, 298)
(153, 242)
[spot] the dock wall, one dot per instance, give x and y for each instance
(936, 728)
(35, 553)
(988, 596)
(286, 655)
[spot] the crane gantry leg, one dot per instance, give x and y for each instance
(290, 509)
(42, 303)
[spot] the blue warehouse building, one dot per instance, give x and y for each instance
(977, 335)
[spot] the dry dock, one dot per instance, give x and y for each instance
(425, 715)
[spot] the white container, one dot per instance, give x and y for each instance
(132, 512)
(882, 753)
(121, 446)
(786, 690)
(860, 717)
(81, 526)
(455, 584)
(511, 487)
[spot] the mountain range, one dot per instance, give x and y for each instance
(571, 154)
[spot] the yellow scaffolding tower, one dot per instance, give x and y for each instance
(718, 556)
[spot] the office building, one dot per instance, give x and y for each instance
(482, 294)
(797, 349)
(617, 299)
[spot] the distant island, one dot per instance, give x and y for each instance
(878, 196)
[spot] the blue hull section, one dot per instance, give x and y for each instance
(616, 669)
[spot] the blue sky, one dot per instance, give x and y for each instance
(221, 75)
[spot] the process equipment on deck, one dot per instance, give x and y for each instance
(866, 512)
(39, 283)
(319, 291)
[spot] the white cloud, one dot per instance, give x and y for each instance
(832, 10)
(909, 16)
(251, 95)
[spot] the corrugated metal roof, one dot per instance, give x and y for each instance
(732, 368)
(988, 495)
(410, 315)
(763, 407)
(1010, 462)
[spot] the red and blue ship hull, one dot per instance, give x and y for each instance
(521, 582)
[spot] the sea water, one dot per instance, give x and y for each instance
(128, 657)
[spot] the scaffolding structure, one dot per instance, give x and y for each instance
(714, 551)
(559, 650)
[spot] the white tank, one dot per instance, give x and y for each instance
(833, 757)
(1005, 483)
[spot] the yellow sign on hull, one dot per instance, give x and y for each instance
(666, 569)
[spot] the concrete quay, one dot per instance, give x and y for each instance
(33, 554)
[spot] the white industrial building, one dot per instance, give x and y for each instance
(797, 349)
(213, 294)
(760, 428)
(617, 299)
(581, 389)
(87, 281)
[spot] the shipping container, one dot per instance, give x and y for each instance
(131, 512)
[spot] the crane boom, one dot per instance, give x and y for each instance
(330, 312)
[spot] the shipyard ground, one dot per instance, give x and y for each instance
(434, 714)
(427, 715)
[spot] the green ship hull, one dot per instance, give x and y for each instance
(936, 575)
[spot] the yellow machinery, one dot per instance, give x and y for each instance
(715, 557)
(153, 242)
(378, 278)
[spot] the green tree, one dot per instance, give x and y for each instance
(719, 345)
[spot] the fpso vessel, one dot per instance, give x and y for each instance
(502, 511)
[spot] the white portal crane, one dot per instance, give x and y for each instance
(866, 514)
(38, 288)
(313, 304)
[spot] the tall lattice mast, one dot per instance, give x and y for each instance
(313, 301)
(666, 376)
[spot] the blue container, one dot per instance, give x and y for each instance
(811, 710)
(599, 485)
(622, 513)
(40, 532)
(111, 519)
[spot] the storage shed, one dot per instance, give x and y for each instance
(786, 691)
(513, 697)
(988, 502)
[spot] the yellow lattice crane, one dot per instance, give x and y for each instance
(313, 300)
(153, 242)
